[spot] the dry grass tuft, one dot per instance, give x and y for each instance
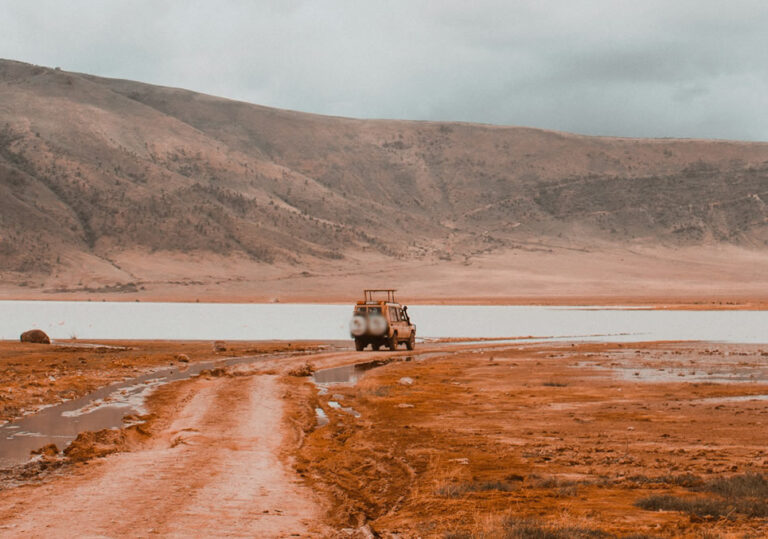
(517, 528)
(457, 490)
(745, 494)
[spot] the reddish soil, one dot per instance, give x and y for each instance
(210, 467)
(463, 441)
(35, 375)
(540, 432)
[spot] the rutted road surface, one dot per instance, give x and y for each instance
(212, 470)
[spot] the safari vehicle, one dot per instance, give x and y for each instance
(381, 322)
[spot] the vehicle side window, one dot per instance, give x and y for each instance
(401, 314)
(393, 315)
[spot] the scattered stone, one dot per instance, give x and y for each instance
(215, 373)
(219, 346)
(405, 405)
(49, 450)
(365, 532)
(405, 381)
(36, 336)
(305, 370)
(184, 358)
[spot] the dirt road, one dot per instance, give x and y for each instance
(213, 470)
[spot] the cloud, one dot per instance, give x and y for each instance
(690, 68)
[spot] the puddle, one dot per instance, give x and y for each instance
(594, 337)
(347, 374)
(738, 398)
(89, 346)
(721, 374)
(336, 406)
(105, 408)
(322, 418)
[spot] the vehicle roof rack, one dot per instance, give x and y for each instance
(369, 292)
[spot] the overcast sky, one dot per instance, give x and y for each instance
(651, 68)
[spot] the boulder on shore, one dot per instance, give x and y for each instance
(35, 336)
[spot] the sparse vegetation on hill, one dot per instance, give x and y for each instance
(99, 166)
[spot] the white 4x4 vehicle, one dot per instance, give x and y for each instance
(381, 322)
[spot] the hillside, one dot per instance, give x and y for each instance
(113, 186)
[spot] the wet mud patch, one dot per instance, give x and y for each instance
(50, 460)
(120, 406)
(348, 374)
(481, 443)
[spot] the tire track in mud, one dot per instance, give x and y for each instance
(212, 470)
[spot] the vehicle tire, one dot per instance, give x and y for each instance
(359, 345)
(411, 344)
(393, 342)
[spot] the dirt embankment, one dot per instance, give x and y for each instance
(33, 375)
(577, 441)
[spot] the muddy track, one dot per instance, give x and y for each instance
(213, 467)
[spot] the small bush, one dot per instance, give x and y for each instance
(687, 480)
(515, 528)
(749, 485)
(453, 490)
(554, 482)
(456, 490)
(568, 492)
(746, 494)
(706, 534)
(701, 507)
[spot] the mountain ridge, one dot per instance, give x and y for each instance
(94, 168)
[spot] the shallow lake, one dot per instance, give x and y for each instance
(209, 321)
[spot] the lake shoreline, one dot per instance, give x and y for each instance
(79, 320)
(654, 302)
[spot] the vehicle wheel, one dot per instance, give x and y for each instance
(359, 345)
(411, 344)
(393, 342)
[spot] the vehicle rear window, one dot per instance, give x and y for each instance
(362, 309)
